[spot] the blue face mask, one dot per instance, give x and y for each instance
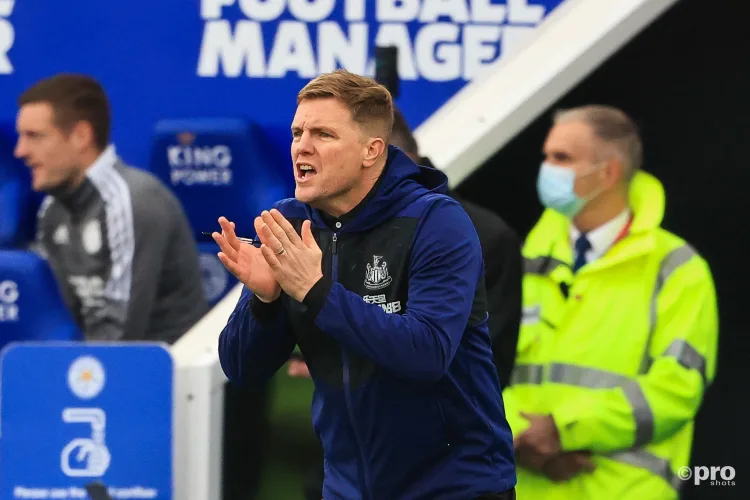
(556, 189)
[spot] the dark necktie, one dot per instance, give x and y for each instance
(583, 245)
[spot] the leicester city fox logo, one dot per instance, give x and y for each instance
(376, 275)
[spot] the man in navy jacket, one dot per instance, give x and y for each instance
(378, 276)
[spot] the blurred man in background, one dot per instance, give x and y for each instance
(501, 249)
(116, 239)
(619, 333)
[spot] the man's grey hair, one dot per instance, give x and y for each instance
(614, 128)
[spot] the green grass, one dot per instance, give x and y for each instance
(294, 449)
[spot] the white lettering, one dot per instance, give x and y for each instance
(456, 10)
(211, 9)
(8, 312)
(438, 60)
(8, 292)
(398, 35)
(135, 492)
(199, 156)
(374, 299)
(519, 11)
(483, 11)
(213, 177)
(454, 39)
(391, 307)
(7, 36)
(89, 290)
(701, 474)
(354, 10)
(262, 10)
(311, 11)
(397, 10)
(21, 492)
(335, 48)
(480, 48)
(120, 493)
(220, 47)
(6, 7)
(727, 473)
(292, 51)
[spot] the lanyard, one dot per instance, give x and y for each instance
(625, 231)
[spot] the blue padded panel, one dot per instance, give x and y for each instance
(218, 167)
(31, 306)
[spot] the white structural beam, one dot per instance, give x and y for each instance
(488, 112)
(199, 405)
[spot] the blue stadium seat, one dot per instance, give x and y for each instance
(217, 281)
(31, 306)
(215, 167)
(15, 196)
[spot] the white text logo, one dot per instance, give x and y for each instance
(715, 476)
(7, 36)
(455, 39)
(381, 301)
(8, 296)
(200, 165)
(89, 290)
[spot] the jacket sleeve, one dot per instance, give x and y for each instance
(501, 249)
(256, 340)
(445, 267)
(654, 406)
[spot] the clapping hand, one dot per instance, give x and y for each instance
(246, 262)
(296, 263)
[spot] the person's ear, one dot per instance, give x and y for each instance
(374, 148)
(81, 135)
(613, 172)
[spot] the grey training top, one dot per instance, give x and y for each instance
(123, 253)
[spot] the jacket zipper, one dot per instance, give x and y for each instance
(347, 398)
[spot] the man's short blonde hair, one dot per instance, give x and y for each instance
(614, 128)
(369, 102)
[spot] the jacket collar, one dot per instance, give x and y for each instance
(647, 201)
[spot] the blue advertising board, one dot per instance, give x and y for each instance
(74, 415)
(248, 59)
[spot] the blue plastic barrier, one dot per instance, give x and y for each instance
(77, 415)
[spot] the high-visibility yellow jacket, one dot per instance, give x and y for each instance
(620, 353)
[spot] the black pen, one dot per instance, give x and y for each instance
(243, 240)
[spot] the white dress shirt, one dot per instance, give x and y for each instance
(603, 237)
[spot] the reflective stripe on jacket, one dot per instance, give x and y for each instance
(619, 353)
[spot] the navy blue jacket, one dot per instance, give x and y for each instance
(407, 401)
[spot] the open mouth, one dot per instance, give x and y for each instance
(304, 172)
